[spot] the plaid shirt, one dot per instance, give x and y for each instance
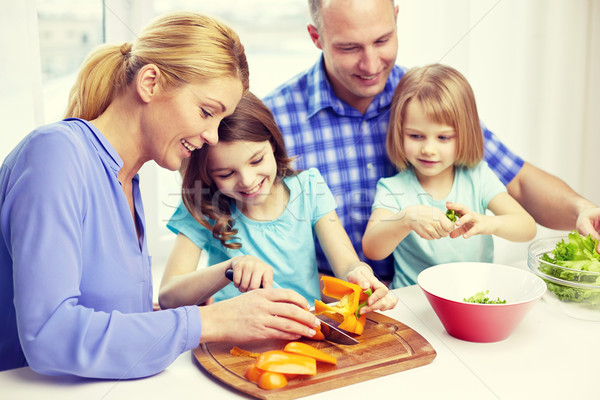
(348, 148)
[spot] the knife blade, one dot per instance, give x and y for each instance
(333, 334)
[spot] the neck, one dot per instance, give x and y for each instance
(437, 186)
(122, 129)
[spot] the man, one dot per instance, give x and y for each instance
(334, 116)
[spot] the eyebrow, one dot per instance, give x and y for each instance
(221, 105)
(384, 36)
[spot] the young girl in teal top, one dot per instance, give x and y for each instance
(245, 206)
(435, 141)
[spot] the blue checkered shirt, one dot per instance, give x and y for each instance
(348, 148)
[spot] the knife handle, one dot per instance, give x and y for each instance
(229, 275)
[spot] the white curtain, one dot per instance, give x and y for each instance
(21, 107)
(533, 65)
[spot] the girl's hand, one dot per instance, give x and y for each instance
(381, 298)
(263, 314)
(428, 222)
(469, 223)
(250, 273)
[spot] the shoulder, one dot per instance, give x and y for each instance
(287, 91)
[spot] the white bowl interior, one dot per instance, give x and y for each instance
(456, 281)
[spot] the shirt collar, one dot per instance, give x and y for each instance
(105, 150)
(322, 96)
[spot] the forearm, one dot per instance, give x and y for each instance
(549, 200)
(518, 227)
(382, 237)
(193, 288)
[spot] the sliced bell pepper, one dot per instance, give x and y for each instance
(286, 363)
(351, 297)
(271, 380)
(309, 351)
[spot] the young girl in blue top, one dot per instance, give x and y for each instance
(245, 206)
(435, 141)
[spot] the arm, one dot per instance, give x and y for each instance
(552, 203)
(345, 262)
(387, 229)
(510, 221)
(183, 284)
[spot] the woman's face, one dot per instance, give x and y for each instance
(245, 171)
(184, 119)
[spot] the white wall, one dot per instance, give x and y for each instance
(532, 64)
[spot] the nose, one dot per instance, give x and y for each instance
(210, 135)
(428, 147)
(246, 178)
(369, 61)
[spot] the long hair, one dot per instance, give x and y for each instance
(187, 47)
(251, 121)
(447, 98)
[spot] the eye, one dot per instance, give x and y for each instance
(205, 113)
(258, 160)
(445, 138)
(414, 136)
(224, 175)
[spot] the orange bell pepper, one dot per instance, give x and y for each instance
(351, 297)
(271, 380)
(286, 363)
(308, 350)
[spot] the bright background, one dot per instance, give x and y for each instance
(531, 64)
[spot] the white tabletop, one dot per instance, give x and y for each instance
(549, 356)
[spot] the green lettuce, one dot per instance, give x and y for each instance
(581, 263)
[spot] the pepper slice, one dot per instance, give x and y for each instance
(350, 297)
(286, 363)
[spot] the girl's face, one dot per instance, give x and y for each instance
(430, 147)
(242, 170)
(183, 119)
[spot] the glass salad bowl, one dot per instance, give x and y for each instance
(575, 292)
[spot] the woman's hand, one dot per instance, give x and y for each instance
(381, 298)
(259, 314)
(251, 273)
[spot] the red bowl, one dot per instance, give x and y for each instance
(446, 285)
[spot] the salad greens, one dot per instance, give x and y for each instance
(481, 298)
(580, 263)
(452, 215)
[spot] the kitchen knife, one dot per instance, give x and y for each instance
(229, 275)
(330, 332)
(334, 334)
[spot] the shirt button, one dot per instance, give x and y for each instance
(370, 166)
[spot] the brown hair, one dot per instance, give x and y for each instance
(251, 121)
(187, 47)
(447, 98)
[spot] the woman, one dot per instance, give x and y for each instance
(75, 270)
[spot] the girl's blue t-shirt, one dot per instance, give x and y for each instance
(473, 187)
(286, 243)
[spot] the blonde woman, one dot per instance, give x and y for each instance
(75, 283)
(435, 140)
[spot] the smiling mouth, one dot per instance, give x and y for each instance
(187, 145)
(254, 190)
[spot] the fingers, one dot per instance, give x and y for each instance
(263, 314)
(250, 273)
(381, 302)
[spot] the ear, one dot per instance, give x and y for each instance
(314, 35)
(396, 13)
(147, 82)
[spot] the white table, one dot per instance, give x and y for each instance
(549, 356)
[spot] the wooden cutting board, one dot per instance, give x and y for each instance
(385, 347)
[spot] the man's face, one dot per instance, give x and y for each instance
(359, 43)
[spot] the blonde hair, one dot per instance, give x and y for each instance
(187, 47)
(447, 98)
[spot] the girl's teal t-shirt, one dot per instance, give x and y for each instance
(286, 243)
